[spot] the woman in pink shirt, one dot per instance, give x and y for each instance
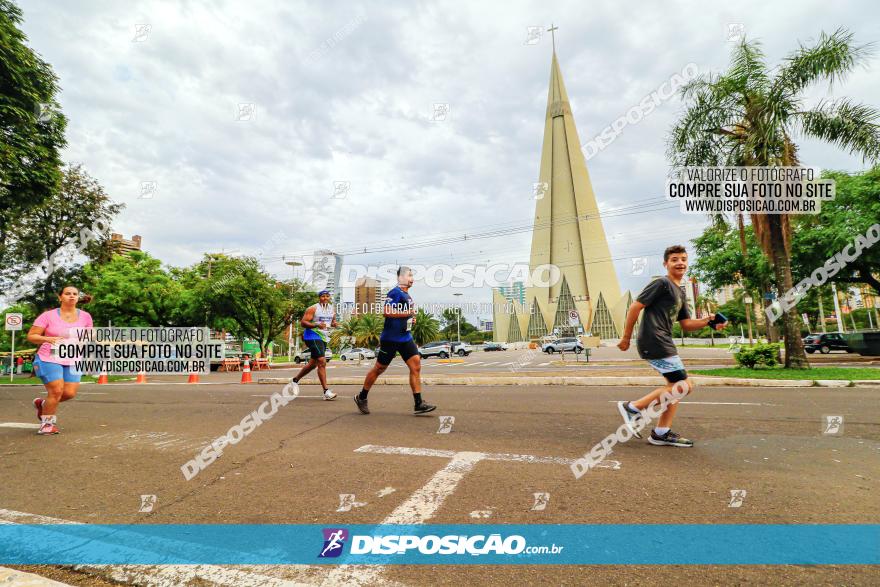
(58, 375)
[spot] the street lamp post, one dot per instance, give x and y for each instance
(458, 317)
(291, 337)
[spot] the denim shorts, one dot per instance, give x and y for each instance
(47, 371)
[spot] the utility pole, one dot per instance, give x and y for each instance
(840, 327)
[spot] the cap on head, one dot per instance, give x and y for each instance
(324, 292)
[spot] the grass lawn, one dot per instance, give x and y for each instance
(848, 373)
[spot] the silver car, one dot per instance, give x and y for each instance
(356, 354)
(563, 345)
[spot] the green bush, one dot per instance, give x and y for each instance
(758, 355)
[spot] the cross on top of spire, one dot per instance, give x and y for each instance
(553, 30)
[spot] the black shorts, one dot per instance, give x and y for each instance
(317, 347)
(388, 348)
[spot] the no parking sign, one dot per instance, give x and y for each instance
(14, 321)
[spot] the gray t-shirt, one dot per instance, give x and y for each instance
(665, 303)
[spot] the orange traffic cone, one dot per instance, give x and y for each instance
(246, 372)
(102, 378)
(193, 378)
(142, 377)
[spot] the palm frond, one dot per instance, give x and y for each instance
(849, 125)
(831, 58)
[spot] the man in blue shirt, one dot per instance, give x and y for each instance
(396, 338)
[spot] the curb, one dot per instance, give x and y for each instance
(585, 381)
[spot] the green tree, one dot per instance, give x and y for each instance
(368, 330)
(815, 239)
(749, 116)
(31, 127)
(238, 291)
(74, 219)
(426, 328)
(135, 290)
(345, 334)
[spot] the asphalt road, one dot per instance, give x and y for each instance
(119, 442)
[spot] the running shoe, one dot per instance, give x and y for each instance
(423, 408)
(329, 395)
(629, 418)
(362, 405)
(38, 403)
(669, 439)
(48, 428)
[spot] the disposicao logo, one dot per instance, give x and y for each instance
(334, 541)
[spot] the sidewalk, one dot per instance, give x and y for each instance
(598, 380)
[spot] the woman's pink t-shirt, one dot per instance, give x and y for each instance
(53, 325)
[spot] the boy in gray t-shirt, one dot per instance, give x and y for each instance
(664, 302)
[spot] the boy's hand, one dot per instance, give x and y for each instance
(623, 344)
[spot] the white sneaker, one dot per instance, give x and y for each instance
(329, 396)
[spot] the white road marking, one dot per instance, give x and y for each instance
(424, 503)
(543, 364)
(492, 363)
(19, 425)
(475, 363)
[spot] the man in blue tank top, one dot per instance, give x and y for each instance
(396, 338)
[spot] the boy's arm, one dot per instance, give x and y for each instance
(631, 316)
(699, 323)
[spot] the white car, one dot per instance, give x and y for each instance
(304, 355)
(357, 354)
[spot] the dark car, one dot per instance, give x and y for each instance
(494, 346)
(825, 343)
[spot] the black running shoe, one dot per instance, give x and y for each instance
(362, 405)
(423, 408)
(669, 439)
(630, 419)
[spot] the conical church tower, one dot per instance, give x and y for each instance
(568, 234)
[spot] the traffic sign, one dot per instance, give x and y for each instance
(14, 321)
(573, 319)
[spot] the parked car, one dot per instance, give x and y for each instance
(305, 354)
(462, 349)
(439, 348)
(357, 354)
(494, 346)
(560, 345)
(825, 343)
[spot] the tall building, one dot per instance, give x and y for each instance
(368, 296)
(327, 272)
(567, 233)
(725, 294)
(513, 291)
(123, 245)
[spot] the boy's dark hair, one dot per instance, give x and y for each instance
(672, 250)
(402, 269)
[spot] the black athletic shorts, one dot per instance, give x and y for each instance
(317, 347)
(388, 348)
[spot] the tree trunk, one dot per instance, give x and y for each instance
(795, 356)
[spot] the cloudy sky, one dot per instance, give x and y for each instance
(345, 91)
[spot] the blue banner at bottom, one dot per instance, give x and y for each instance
(565, 544)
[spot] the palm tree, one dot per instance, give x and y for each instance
(748, 116)
(426, 327)
(368, 329)
(345, 333)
